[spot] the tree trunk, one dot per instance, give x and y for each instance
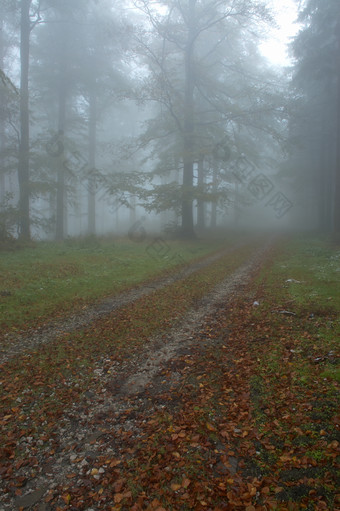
(2, 122)
(324, 189)
(188, 137)
(336, 212)
(236, 204)
(61, 192)
(336, 179)
(200, 201)
(213, 223)
(23, 167)
(91, 196)
(61, 199)
(132, 215)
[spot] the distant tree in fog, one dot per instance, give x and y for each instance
(77, 71)
(196, 65)
(9, 117)
(315, 121)
(204, 73)
(23, 166)
(104, 80)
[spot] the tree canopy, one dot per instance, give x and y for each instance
(110, 110)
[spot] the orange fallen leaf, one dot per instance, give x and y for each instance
(118, 498)
(66, 498)
(285, 457)
(176, 487)
(114, 463)
(185, 483)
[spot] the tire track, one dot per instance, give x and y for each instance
(31, 339)
(86, 429)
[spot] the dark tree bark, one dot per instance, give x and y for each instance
(92, 162)
(213, 223)
(23, 168)
(61, 191)
(2, 125)
(61, 198)
(324, 189)
(188, 136)
(336, 214)
(200, 202)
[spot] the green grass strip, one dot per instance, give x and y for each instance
(49, 380)
(47, 280)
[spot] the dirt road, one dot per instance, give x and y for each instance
(121, 398)
(13, 345)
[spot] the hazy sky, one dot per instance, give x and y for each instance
(275, 49)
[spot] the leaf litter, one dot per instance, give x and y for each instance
(13, 345)
(189, 422)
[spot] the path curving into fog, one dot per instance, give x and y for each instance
(86, 429)
(24, 341)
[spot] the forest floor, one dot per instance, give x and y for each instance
(213, 388)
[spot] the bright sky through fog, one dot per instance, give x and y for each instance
(275, 48)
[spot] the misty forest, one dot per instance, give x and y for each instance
(169, 255)
(165, 110)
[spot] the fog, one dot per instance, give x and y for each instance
(171, 115)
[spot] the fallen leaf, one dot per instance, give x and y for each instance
(118, 498)
(66, 498)
(175, 486)
(185, 483)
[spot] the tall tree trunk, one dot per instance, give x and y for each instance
(321, 184)
(61, 191)
(336, 213)
(2, 125)
(236, 212)
(132, 215)
(213, 223)
(200, 201)
(188, 138)
(336, 179)
(324, 190)
(91, 196)
(61, 199)
(23, 167)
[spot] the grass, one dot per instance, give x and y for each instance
(266, 393)
(296, 378)
(305, 280)
(50, 278)
(258, 388)
(67, 365)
